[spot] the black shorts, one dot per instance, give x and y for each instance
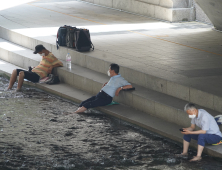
(31, 76)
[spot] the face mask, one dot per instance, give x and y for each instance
(43, 54)
(108, 73)
(192, 116)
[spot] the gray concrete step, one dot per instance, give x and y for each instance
(154, 124)
(167, 65)
(100, 60)
(149, 101)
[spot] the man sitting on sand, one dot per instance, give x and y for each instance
(209, 133)
(48, 62)
(109, 90)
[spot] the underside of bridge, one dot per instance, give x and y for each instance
(213, 9)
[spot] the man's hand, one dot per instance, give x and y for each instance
(185, 131)
(50, 69)
(104, 84)
(117, 91)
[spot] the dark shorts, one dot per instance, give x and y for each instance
(31, 76)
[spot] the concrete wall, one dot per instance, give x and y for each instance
(170, 10)
(213, 9)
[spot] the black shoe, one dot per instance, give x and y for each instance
(55, 80)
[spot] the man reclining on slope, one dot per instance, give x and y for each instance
(48, 62)
(109, 90)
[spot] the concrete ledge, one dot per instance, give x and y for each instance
(161, 127)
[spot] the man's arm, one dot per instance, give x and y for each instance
(186, 132)
(124, 87)
(190, 130)
(104, 84)
(51, 67)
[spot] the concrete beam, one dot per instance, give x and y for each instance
(213, 9)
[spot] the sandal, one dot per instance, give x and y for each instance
(218, 143)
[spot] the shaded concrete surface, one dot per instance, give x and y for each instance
(212, 8)
(39, 131)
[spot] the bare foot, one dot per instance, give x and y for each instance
(18, 90)
(7, 89)
(196, 158)
(182, 155)
(82, 109)
(77, 109)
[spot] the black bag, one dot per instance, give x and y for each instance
(61, 36)
(70, 37)
(82, 40)
(54, 80)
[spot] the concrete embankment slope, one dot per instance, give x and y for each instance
(121, 111)
(159, 60)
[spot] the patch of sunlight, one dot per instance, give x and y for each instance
(2, 62)
(12, 3)
(47, 31)
(10, 47)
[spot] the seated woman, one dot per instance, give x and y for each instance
(48, 62)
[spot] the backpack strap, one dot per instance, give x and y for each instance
(57, 42)
(90, 41)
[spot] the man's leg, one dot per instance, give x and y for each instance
(202, 140)
(20, 80)
(185, 147)
(99, 101)
(81, 108)
(87, 100)
(12, 79)
(186, 143)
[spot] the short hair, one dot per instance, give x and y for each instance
(114, 67)
(189, 106)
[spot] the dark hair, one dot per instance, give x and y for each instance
(39, 48)
(114, 67)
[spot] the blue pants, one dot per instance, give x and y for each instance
(203, 138)
(101, 99)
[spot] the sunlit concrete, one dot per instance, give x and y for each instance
(12, 3)
(10, 47)
(47, 31)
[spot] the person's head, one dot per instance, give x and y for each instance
(113, 70)
(191, 110)
(41, 50)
